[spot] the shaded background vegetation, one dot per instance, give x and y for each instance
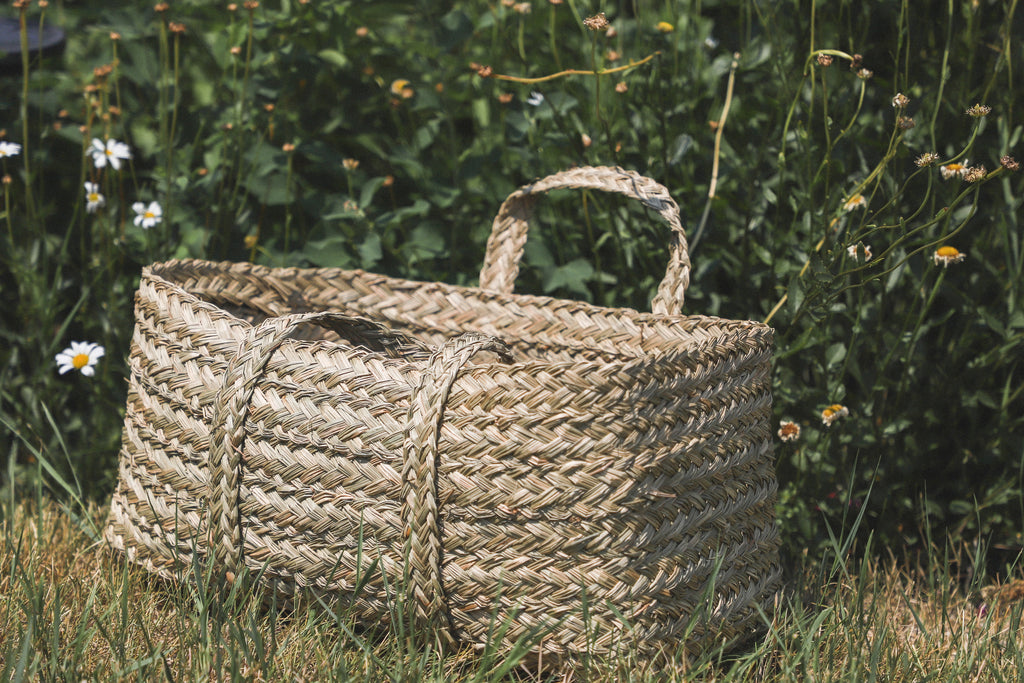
(240, 122)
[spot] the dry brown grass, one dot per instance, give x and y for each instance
(70, 609)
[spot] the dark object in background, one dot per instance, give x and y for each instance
(47, 42)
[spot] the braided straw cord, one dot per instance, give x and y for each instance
(508, 234)
(419, 476)
(231, 407)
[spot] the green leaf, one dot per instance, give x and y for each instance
(370, 251)
(835, 354)
(333, 57)
(333, 251)
(572, 276)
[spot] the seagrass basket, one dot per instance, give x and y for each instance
(590, 477)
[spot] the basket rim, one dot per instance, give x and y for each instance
(661, 335)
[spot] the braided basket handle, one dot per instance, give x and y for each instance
(420, 510)
(231, 409)
(508, 234)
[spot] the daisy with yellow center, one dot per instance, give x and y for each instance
(857, 201)
(147, 216)
(953, 170)
(94, 201)
(833, 413)
(81, 356)
(110, 152)
(9, 149)
(945, 256)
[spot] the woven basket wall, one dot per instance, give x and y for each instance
(500, 455)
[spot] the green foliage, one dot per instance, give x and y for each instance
(366, 135)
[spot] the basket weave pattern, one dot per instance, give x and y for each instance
(501, 456)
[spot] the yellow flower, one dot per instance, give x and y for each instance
(665, 27)
(399, 88)
(944, 256)
(833, 413)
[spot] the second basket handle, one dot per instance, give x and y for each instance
(508, 234)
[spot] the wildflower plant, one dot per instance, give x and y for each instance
(821, 168)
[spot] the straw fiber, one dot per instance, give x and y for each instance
(600, 475)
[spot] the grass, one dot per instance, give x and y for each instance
(70, 609)
(294, 133)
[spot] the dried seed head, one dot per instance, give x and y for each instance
(975, 173)
(900, 100)
(926, 159)
(979, 110)
(598, 22)
(905, 123)
(865, 74)
(1009, 163)
(825, 60)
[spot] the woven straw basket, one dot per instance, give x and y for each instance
(600, 475)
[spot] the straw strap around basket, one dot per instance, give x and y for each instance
(231, 408)
(508, 234)
(420, 516)
(420, 512)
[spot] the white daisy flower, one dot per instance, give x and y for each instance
(535, 99)
(79, 356)
(94, 201)
(112, 152)
(147, 216)
(9, 149)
